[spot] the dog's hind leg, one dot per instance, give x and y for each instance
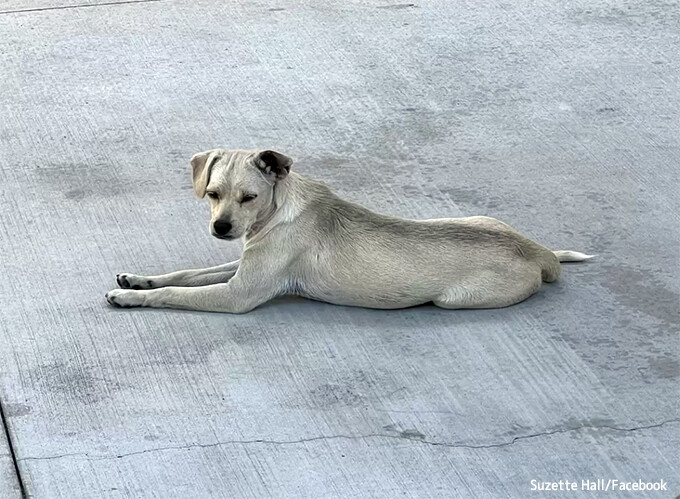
(487, 294)
(184, 278)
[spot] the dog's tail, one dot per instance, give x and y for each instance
(572, 256)
(550, 262)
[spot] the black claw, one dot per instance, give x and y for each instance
(111, 301)
(136, 286)
(149, 283)
(122, 281)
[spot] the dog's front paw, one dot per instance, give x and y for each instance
(132, 281)
(125, 298)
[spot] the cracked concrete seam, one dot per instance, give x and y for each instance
(359, 437)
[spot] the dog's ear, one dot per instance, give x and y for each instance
(201, 166)
(273, 163)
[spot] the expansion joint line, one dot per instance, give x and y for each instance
(12, 451)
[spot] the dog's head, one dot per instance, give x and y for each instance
(239, 185)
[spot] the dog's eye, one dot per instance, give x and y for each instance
(212, 195)
(248, 197)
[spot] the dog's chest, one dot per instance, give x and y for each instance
(311, 277)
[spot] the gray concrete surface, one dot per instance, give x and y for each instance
(560, 118)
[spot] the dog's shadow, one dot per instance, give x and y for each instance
(307, 313)
(312, 313)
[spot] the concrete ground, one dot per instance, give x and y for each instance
(560, 118)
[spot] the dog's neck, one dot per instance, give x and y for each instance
(288, 201)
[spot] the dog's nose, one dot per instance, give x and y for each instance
(221, 227)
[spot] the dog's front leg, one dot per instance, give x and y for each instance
(236, 296)
(191, 277)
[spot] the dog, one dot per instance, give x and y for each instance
(300, 238)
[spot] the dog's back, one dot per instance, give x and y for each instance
(355, 256)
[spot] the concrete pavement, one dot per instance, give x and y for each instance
(558, 118)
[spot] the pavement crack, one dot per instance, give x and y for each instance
(558, 431)
(415, 439)
(76, 6)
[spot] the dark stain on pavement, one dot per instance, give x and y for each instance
(330, 394)
(642, 290)
(412, 434)
(664, 367)
(78, 382)
(397, 6)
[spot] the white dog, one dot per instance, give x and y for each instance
(300, 238)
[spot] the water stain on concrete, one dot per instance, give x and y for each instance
(81, 383)
(79, 181)
(75, 194)
(651, 13)
(640, 289)
(331, 394)
(243, 336)
(333, 389)
(578, 423)
(664, 367)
